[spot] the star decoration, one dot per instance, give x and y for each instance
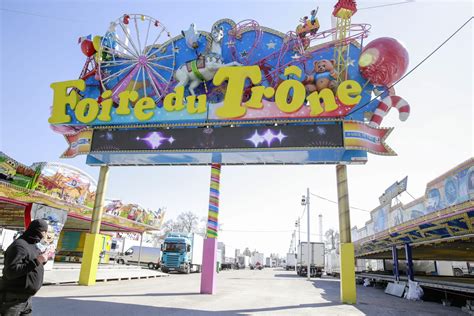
(321, 130)
(350, 62)
(244, 53)
(268, 137)
(271, 45)
(156, 139)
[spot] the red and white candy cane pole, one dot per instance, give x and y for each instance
(385, 105)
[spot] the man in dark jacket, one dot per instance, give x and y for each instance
(23, 270)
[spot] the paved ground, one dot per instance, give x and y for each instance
(242, 292)
(69, 273)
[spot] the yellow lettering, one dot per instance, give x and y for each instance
(106, 106)
(235, 77)
(283, 94)
(144, 104)
(255, 101)
(191, 104)
(62, 98)
(348, 92)
(174, 101)
(86, 110)
(124, 100)
(325, 96)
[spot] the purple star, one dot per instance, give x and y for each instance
(280, 136)
(256, 139)
(269, 137)
(154, 140)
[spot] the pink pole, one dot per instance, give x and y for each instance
(209, 273)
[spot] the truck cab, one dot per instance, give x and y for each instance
(181, 252)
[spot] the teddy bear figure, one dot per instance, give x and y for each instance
(324, 77)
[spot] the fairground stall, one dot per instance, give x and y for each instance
(237, 94)
(64, 196)
(433, 234)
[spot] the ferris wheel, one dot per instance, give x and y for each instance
(137, 55)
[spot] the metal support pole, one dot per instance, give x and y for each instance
(348, 288)
(396, 272)
(296, 255)
(320, 216)
(299, 232)
(409, 260)
(93, 241)
(310, 255)
(140, 248)
(99, 200)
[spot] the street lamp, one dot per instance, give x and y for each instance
(305, 202)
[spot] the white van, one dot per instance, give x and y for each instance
(149, 256)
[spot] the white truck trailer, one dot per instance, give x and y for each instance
(243, 262)
(333, 263)
(268, 262)
(257, 261)
(290, 261)
(315, 259)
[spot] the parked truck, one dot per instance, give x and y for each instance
(243, 262)
(182, 252)
(315, 259)
(257, 261)
(333, 264)
(290, 261)
(148, 256)
(268, 262)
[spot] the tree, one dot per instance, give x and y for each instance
(332, 239)
(186, 222)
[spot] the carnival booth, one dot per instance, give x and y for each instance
(64, 196)
(436, 226)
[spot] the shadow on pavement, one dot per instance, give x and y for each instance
(51, 306)
(373, 301)
(288, 275)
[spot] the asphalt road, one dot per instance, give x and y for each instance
(241, 292)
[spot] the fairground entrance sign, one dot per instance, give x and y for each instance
(239, 94)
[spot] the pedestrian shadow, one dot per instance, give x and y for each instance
(59, 306)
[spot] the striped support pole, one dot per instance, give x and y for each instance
(209, 274)
(212, 217)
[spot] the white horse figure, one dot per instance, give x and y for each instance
(205, 67)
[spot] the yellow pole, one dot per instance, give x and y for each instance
(348, 287)
(93, 242)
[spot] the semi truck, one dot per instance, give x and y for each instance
(290, 261)
(182, 252)
(149, 256)
(315, 258)
(257, 261)
(243, 262)
(268, 262)
(333, 264)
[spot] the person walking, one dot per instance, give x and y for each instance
(23, 270)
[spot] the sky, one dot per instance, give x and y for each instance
(258, 204)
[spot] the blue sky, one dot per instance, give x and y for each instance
(39, 46)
